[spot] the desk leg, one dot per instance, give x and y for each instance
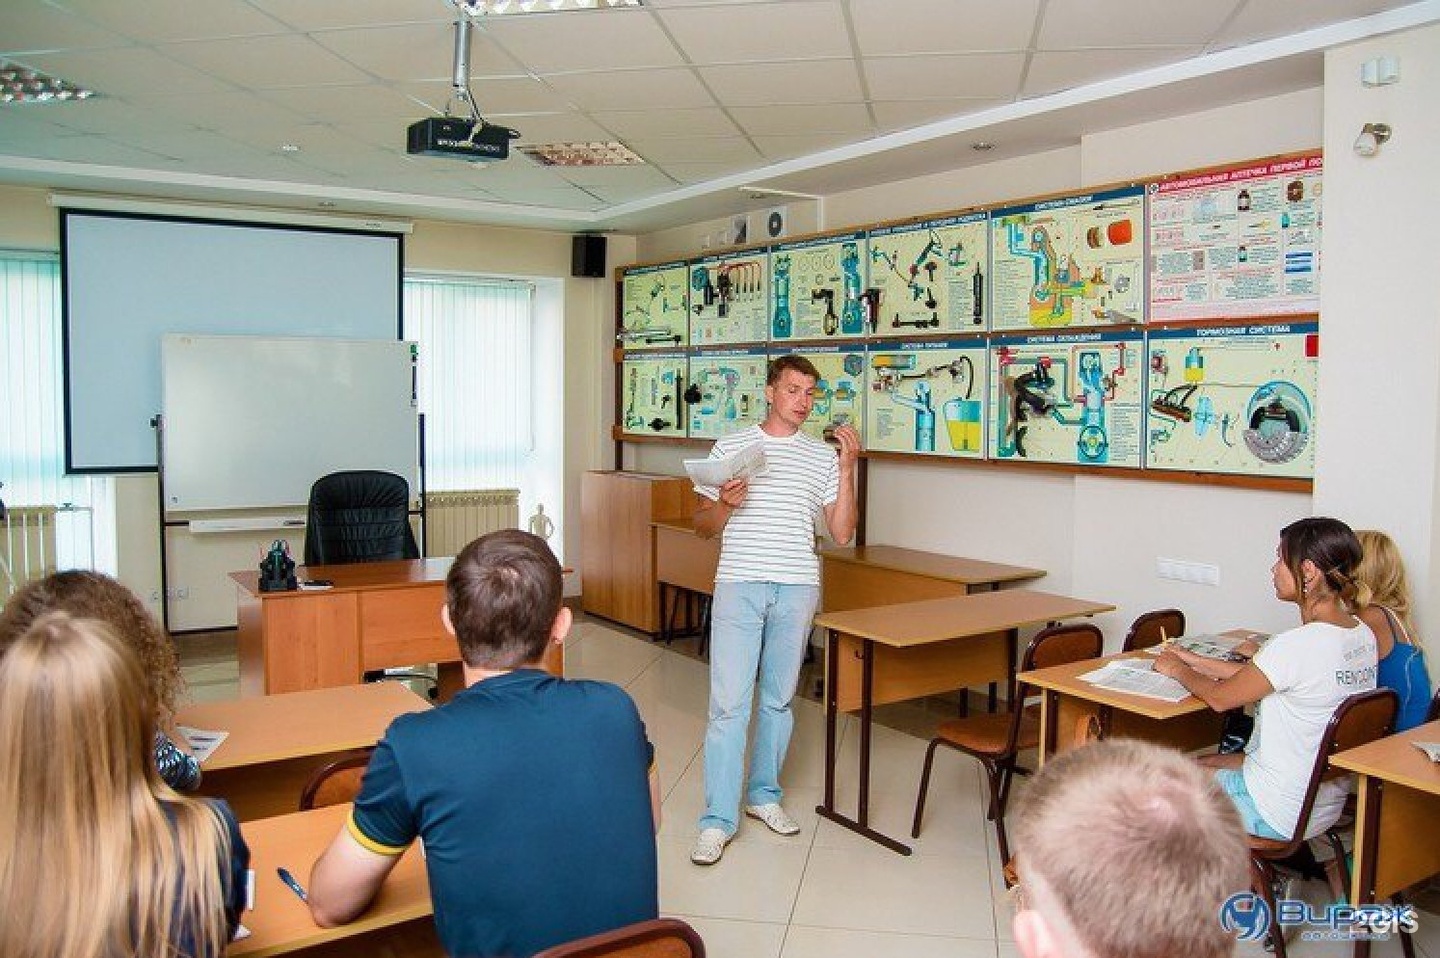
(1367, 841)
(860, 825)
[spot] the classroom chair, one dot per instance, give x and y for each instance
(1433, 713)
(996, 741)
(359, 516)
(337, 782)
(657, 938)
(1361, 718)
(1152, 628)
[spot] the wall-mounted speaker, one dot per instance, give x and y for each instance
(587, 256)
(776, 222)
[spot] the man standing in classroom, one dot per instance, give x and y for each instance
(767, 587)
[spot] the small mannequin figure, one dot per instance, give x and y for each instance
(540, 524)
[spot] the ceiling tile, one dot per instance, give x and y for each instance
(1081, 24)
(166, 20)
(128, 72)
(552, 128)
(313, 139)
(217, 111)
(651, 123)
(817, 81)
(584, 40)
(903, 27)
(108, 115)
(1266, 19)
(739, 34)
(906, 114)
(22, 127)
(308, 15)
(569, 198)
(493, 95)
(266, 63)
(700, 172)
(632, 89)
(1050, 72)
(699, 149)
(416, 52)
(28, 26)
(631, 177)
(197, 146)
(942, 77)
(338, 104)
(851, 118)
(777, 148)
(96, 149)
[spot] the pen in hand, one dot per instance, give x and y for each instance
(292, 884)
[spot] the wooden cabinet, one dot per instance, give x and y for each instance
(617, 565)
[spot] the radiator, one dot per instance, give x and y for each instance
(454, 519)
(27, 546)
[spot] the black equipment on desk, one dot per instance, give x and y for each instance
(277, 569)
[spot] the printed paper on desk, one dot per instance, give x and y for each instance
(1431, 749)
(1218, 647)
(202, 743)
(1138, 677)
(742, 464)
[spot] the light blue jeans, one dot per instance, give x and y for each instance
(754, 626)
(1232, 780)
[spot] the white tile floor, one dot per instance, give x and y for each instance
(825, 893)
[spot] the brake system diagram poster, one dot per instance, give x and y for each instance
(840, 390)
(654, 310)
(1233, 399)
(818, 289)
(927, 397)
(1073, 398)
(929, 277)
(726, 391)
(652, 394)
(1237, 242)
(729, 298)
(1072, 261)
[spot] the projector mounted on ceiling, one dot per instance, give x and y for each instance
(454, 137)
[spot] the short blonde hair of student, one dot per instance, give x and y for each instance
(1136, 847)
(1382, 578)
(90, 866)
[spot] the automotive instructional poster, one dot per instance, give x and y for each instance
(929, 277)
(1070, 261)
(840, 390)
(927, 397)
(726, 391)
(652, 394)
(1072, 398)
(729, 298)
(1237, 242)
(1233, 399)
(818, 289)
(654, 310)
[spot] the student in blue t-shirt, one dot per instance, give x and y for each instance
(535, 797)
(1385, 607)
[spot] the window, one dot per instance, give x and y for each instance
(32, 450)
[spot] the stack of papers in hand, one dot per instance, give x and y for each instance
(1138, 677)
(742, 464)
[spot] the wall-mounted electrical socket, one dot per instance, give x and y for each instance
(1179, 570)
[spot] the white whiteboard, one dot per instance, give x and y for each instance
(253, 422)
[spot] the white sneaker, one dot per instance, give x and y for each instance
(774, 818)
(709, 846)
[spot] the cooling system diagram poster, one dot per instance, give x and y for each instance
(818, 289)
(1238, 242)
(840, 391)
(929, 277)
(1072, 261)
(1073, 398)
(730, 298)
(654, 310)
(652, 394)
(726, 391)
(927, 397)
(1235, 399)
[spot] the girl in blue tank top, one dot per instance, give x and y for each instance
(1385, 599)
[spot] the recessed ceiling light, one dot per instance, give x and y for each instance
(611, 153)
(289, 147)
(18, 85)
(982, 146)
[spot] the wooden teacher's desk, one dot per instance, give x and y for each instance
(1068, 704)
(685, 564)
(858, 577)
(378, 615)
(896, 652)
(276, 742)
(280, 922)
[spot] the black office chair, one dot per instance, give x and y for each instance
(361, 516)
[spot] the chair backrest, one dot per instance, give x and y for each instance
(657, 938)
(1360, 719)
(1152, 628)
(337, 782)
(1056, 645)
(1433, 712)
(361, 516)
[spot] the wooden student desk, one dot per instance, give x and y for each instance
(1396, 840)
(276, 742)
(684, 563)
(280, 922)
(379, 615)
(896, 652)
(858, 577)
(1068, 703)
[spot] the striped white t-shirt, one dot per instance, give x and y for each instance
(771, 537)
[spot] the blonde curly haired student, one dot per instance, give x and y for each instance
(1384, 598)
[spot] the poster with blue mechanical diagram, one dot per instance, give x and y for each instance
(1072, 261)
(1233, 399)
(818, 289)
(1073, 398)
(929, 277)
(730, 298)
(927, 398)
(840, 390)
(654, 310)
(726, 391)
(652, 394)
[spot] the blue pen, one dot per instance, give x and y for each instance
(294, 885)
